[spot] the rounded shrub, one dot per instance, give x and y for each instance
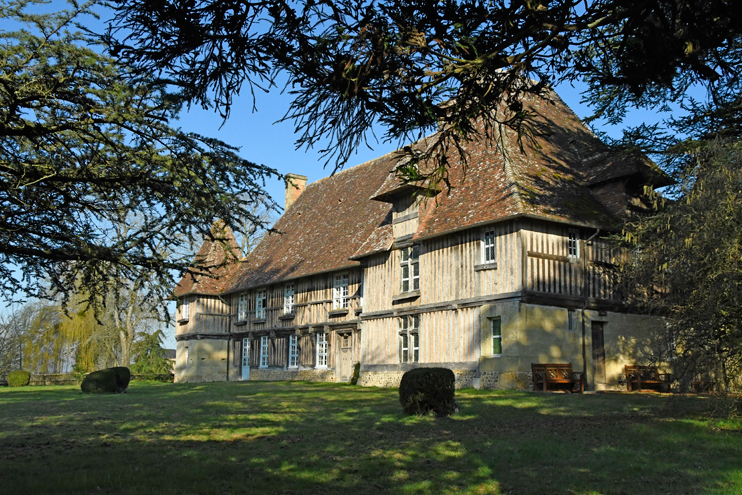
(428, 389)
(19, 378)
(107, 381)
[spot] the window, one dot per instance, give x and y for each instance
(242, 307)
(573, 244)
(245, 353)
(496, 329)
(409, 339)
(288, 299)
(186, 358)
(264, 351)
(260, 304)
(571, 320)
(293, 351)
(322, 350)
(340, 291)
(488, 247)
(185, 308)
(410, 268)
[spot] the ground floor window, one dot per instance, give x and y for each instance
(293, 351)
(409, 339)
(245, 353)
(322, 350)
(496, 332)
(264, 351)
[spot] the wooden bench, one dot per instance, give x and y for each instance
(557, 374)
(646, 377)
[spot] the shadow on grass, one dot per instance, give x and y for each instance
(325, 438)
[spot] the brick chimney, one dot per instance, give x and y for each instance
(295, 185)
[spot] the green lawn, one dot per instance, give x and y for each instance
(292, 438)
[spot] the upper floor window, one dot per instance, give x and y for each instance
(409, 339)
(185, 308)
(573, 244)
(322, 349)
(488, 246)
(242, 307)
(293, 351)
(410, 268)
(264, 351)
(288, 299)
(340, 291)
(260, 304)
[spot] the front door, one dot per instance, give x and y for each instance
(245, 359)
(345, 357)
(598, 354)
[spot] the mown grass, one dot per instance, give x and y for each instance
(300, 438)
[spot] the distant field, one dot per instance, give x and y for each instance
(300, 438)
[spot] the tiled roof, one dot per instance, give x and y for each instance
(222, 253)
(341, 218)
(324, 227)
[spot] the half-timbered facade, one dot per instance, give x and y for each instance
(507, 268)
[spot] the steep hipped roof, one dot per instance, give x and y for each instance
(221, 253)
(347, 216)
(322, 228)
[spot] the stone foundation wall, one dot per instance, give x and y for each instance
(464, 378)
(287, 375)
(510, 380)
(380, 378)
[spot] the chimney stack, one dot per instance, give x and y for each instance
(295, 185)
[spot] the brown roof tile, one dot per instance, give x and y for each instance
(326, 225)
(218, 256)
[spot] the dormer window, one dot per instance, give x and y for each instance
(573, 244)
(410, 266)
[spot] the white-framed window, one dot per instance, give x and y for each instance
(573, 244)
(322, 350)
(264, 351)
(496, 333)
(488, 246)
(245, 353)
(340, 297)
(410, 265)
(185, 308)
(260, 304)
(293, 351)
(288, 299)
(242, 307)
(409, 339)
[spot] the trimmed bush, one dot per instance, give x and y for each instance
(356, 374)
(123, 377)
(428, 389)
(19, 378)
(107, 381)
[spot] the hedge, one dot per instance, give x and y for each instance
(428, 389)
(109, 380)
(19, 378)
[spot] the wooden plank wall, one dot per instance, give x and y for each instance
(550, 270)
(313, 300)
(208, 314)
(446, 270)
(445, 336)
